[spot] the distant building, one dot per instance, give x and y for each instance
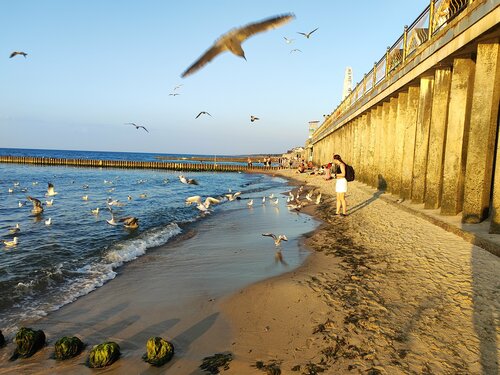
(313, 125)
(347, 82)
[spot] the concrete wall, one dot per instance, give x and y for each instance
(432, 139)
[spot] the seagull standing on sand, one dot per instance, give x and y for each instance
(15, 53)
(250, 203)
(263, 200)
(277, 240)
(231, 41)
(50, 190)
(136, 126)
(10, 243)
(308, 35)
(203, 113)
(37, 206)
(318, 199)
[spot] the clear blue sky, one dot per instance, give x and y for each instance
(94, 65)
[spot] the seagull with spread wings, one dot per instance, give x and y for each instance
(295, 50)
(308, 35)
(231, 41)
(203, 113)
(37, 206)
(277, 239)
(15, 53)
(254, 118)
(137, 126)
(288, 41)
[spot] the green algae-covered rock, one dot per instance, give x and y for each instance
(28, 343)
(159, 351)
(104, 354)
(2, 340)
(68, 347)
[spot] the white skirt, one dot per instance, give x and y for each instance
(341, 185)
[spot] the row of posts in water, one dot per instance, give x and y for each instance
(134, 164)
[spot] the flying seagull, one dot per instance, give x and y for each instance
(178, 87)
(308, 35)
(37, 206)
(130, 222)
(173, 94)
(137, 126)
(50, 190)
(288, 41)
(295, 50)
(203, 113)
(18, 53)
(277, 240)
(231, 41)
(254, 118)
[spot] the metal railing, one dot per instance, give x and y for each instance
(437, 14)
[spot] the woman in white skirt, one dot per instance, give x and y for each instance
(340, 185)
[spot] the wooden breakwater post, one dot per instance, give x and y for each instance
(130, 164)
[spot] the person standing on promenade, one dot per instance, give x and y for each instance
(340, 184)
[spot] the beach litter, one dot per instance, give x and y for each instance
(68, 347)
(159, 351)
(211, 364)
(28, 343)
(103, 355)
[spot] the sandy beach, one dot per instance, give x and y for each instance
(383, 292)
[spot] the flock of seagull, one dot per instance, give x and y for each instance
(230, 41)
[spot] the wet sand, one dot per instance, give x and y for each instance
(385, 292)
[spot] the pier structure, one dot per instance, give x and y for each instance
(423, 123)
(176, 166)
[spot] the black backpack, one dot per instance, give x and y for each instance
(349, 172)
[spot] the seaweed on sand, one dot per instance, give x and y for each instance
(28, 343)
(213, 363)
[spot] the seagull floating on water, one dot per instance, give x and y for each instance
(231, 41)
(15, 53)
(85, 197)
(49, 203)
(15, 229)
(188, 181)
(50, 190)
(232, 197)
(137, 126)
(95, 211)
(308, 35)
(21, 204)
(10, 243)
(277, 240)
(11, 190)
(48, 221)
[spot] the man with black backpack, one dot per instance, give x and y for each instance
(343, 174)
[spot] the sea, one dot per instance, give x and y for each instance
(53, 265)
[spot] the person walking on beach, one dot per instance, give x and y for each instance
(340, 184)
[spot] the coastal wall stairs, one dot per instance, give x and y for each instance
(423, 123)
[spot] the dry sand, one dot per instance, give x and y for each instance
(385, 292)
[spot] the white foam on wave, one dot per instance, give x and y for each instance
(95, 275)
